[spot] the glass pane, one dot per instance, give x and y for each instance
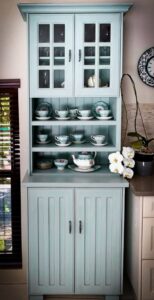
(89, 78)
(5, 216)
(59, 33)
(89, 33)
(44, 33)
(5, 134)
(44, 78)
(59, 56)
(104, 34)
(104, 78)
(104, 51)
(59, 79)
(44, 53)
(89, 55)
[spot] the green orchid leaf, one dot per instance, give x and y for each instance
(137, 144)
(133, 134)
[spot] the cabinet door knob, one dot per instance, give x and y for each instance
(70, 226)
(80, 226)
(79, 54)
(69, 55)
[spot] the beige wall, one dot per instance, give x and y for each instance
(138, 36)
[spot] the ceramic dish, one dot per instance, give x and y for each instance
(98, 106)
(44, 164)
(62, 119)
(77, 169)
(85, 118)
(96, 144)
(43, 143)
(79, 142)
(42, 118)
(104, 118)
(63, 145)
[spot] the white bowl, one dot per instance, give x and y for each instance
(84, 113)
(61, 113)
(42, 137)
(98, 139)
(60, 163)
(104, 112)
(41, 113)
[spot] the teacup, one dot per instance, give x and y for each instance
(42, 137)
(42, 113)
(62, 139)
(84, 113)
(98, 139)
(73, 112)
(104, 112)
(61, 113)
(60, 163)
(77, 137)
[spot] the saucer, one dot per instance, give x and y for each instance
(44, 142)
(96, 144)
(42, 118)
(63, 145)
(104, 118)
(79, 142)
(62, 119)
(77, 169)
(99, 105)
(85, 118)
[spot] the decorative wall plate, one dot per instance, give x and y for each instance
(146, 67)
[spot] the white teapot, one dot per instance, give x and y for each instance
(84, 160)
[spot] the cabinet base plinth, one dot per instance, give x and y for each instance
(36, 297)
(111, 297)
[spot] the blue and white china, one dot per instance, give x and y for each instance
(98, 139)
(99, 106)
(42, 137)
(73, 112)
(62, 139)
(60, 163)
(61, 113)
(84, 113)
(84, 160)
(104, 112)
(44, 109)
(77, 137)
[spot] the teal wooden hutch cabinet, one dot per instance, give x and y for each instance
(75, 220)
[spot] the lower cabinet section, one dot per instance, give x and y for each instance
(75, 241)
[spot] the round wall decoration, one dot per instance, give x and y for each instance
(146, 67)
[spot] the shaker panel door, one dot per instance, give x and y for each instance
(98, 241)
(51, 241)
(51, 55)
(97, 54)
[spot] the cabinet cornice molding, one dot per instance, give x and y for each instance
(40, 8)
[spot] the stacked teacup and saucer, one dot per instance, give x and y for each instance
(98, 140)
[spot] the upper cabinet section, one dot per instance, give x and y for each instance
(51, 55)
(97, 54)
(75, 50)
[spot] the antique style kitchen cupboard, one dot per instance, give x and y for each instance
(75, 220)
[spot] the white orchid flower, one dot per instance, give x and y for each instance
(116, 168)
(115, 157)
(128, 173)
(129, 162)
(128, 152)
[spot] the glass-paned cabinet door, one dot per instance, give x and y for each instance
(51, 55)
(97, 54)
